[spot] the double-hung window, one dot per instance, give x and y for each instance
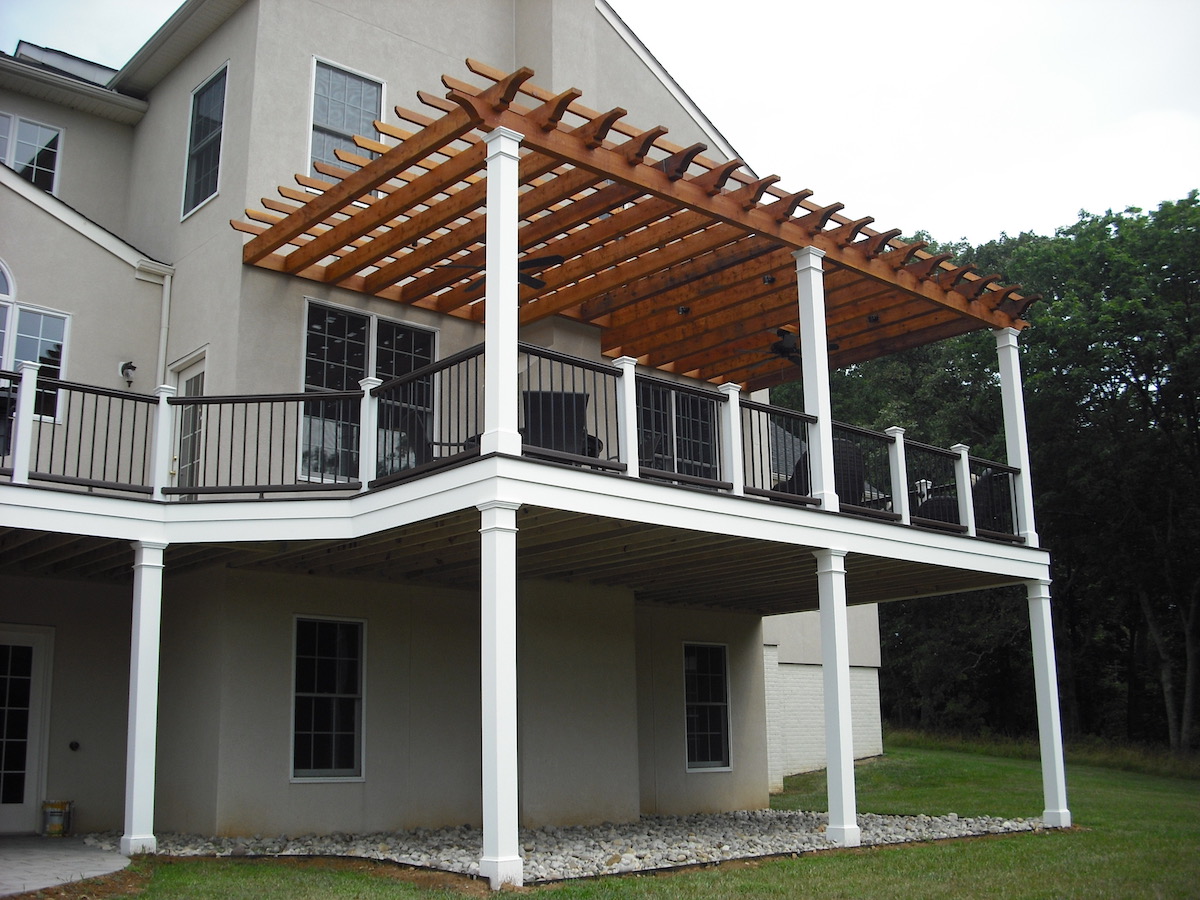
(328, 697)
(31, 149)
(29, 335)
(706, 692)
(344, 104)
(341, 348)
(204, 142)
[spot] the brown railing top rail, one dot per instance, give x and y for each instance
(428, 369)
(929, 448)
(992, 464)
(777, 410)
(206, 400)
(685, 388)
(567, 359)
(59, 384)
(867, 432)
(4, 373)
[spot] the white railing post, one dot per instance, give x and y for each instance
(1016, 437)
(501, 318)
(627, 416)
(814, 358)
(142, 737)
(501, 860)
(1045, 680)
(963, 488)
(732, 461)
(843, 828)
(22, 439)
(164, 432)
(368, 433)
(898, 462)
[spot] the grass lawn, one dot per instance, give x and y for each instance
(1136, 835)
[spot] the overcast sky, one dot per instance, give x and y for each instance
(962, 118)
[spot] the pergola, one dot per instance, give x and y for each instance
(681, 262)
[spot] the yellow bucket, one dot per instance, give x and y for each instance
(56, 818)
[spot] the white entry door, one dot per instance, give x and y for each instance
(24, 666)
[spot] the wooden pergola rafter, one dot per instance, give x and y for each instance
(678, 260)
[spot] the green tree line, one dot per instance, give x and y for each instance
(1111, 363)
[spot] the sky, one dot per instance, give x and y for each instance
(961, 118)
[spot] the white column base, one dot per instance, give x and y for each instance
(1056, 818)
(844, 835)
(133, 844)
(502, 870)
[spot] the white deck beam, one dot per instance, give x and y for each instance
(1016, 438)
(814, 361)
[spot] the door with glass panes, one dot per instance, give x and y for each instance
(24, 664)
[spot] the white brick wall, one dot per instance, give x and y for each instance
(796, 716)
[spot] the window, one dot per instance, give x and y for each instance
(30, 335)
(677, 430)
(204, 142)
(342, 348)
(344, 104)
(327, 723)
(706, 692)
(30, 149)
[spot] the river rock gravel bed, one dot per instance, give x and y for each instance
(556, 853)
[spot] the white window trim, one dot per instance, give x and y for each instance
(62, 138)
(184, 212)
(293, 778)
(9, 345)
(312, 93)
(696, 770)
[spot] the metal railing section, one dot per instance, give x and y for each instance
(90, 436)
(430, 417)
(933, 486)
(862, 471)
(775, 452)
(9, 382)
(679, 433)
(994, 499)
(266, 443)
(568, 409)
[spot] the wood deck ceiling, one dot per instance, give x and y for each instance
(679, 260)
(660, 566)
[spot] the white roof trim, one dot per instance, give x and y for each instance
(81, 224)
(635, 43)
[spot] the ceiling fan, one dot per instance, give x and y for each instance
(537, 263)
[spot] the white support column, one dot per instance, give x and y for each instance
(368, 433)
(1045, 680)
(500, 415)
(164, 431)
(898, 462)
(627, 413)
(22, 438)
(964, 489)
(843, 827)
(143, 698)
(1016, 437)
(814, 357)
(501, 862)
(731, 437)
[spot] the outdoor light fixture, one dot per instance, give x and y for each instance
(127, 370)
(683, 310)
(768, 279)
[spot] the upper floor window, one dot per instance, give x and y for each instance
(344, 104)
(341, 348)
(204, 142)
(30, 149)
(31, 335)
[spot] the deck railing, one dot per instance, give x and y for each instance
(591, 415)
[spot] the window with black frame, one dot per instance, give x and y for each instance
(341, 348)
(706, 692)
(327, 711)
